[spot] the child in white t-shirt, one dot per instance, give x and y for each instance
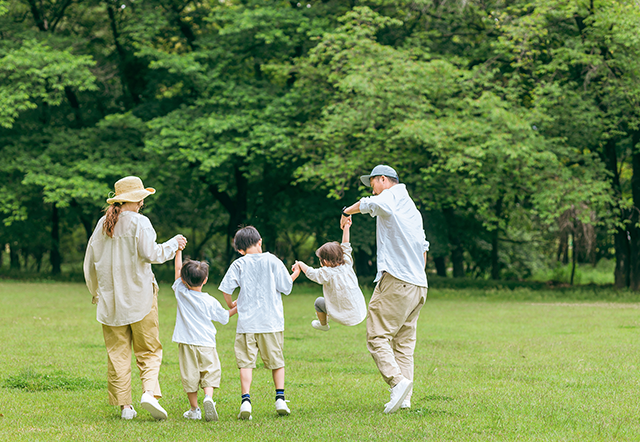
(262, 279)
(196, 335)
(343, 300)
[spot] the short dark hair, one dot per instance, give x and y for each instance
(331, 253)
(194, 273)
(393, 179)
(246, 238)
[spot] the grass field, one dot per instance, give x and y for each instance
(497, 365)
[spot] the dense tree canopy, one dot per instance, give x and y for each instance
(514, 124)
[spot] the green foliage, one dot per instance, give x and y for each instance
(36, 73)
(500, 118)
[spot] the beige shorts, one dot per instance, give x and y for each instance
(270, 345)
(199, 366)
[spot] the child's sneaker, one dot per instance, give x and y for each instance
(128, 413)
(210, 413)
(193, 414)
(245, 411)
(318, 326)
(282, 408)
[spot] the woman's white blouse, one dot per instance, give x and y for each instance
(118, 270)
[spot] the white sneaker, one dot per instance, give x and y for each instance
(405, 404)
(282, 408)
(398, 394)
(128, 413)
(152, 405)
(318, 326)
(210, 413)
(245, 411)
(196, 414)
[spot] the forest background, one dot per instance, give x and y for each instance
(514, 124)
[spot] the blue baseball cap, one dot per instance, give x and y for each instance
(379, 170)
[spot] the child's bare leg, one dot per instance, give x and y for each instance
(246, 376)
(208, 391)
(278, 378)
(193, 399)
(322, 317)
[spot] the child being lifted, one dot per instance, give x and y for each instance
(343, 301)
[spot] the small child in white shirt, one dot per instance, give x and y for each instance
(196, 335)
(343, 300)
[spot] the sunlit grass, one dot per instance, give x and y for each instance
(493, 365)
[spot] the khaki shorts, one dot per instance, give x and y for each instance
(270, 346)
(199, 366)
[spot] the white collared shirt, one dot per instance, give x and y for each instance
(400, 237)
(194, 314)
(342, 295)
(118, 270)
(262, 279)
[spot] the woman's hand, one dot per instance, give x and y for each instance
(182, 242)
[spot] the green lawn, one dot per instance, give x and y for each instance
(507, 366)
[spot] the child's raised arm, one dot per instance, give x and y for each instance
(178, 264)
(345, 230)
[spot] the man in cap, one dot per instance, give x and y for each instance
(401, 288)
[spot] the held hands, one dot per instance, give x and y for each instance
(296, 271)
(182, 242)
(345, 222)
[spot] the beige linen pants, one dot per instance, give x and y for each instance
(391, 327)
(144, 337)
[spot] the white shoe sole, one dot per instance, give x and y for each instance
(156, 411)
(245, 415)
(210, 413)
(283, 411)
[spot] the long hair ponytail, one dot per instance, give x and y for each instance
(112, 213)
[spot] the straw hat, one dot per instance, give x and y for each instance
(130, 190)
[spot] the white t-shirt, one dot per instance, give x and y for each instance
(118, 270)
(195, 312)
(262, 278)
(400, 236)
(342, 295)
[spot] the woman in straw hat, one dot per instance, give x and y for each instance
(117, 269)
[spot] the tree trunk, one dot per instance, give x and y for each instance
(574, 251)
(495, 243)
(457, 251)
(634, 230)
(55, 257)
(620, 237)
(14, 257)
(441, 266)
